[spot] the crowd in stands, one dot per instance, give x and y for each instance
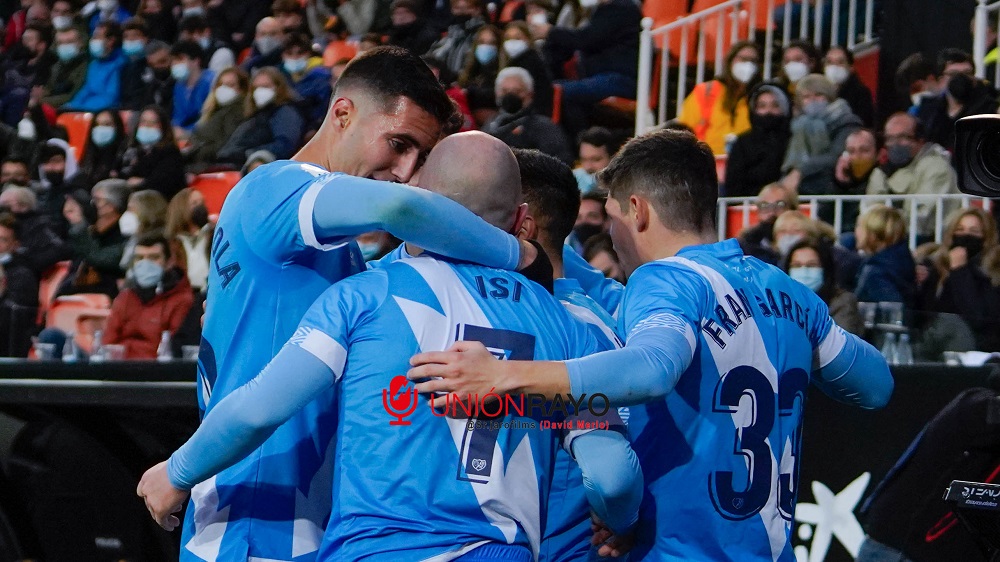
(176, 88)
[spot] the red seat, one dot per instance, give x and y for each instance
(48, 285)
(81, 315)
(214, 187)
(77, 125)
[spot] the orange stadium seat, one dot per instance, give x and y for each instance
(77, 125)
(339, 50)
(214, 187)
(48, 285)
(81, 315)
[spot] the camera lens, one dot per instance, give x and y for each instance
(989, 154)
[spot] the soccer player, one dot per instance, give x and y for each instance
(438, 487)
(284, 236)
(719, 351)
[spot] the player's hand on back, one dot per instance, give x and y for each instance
(162, 499)
(466, 369)
(610, 544)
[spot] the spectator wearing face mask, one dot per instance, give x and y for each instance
(798, 60)
(104, 11)
(597, 146)
(717, 110)
(410, 29)
(791, 227)
(888, 273)
(70, 70)
(39, 239)
(102, 87)
(159, 19)
(309, 78)
(190, 235)
(819, 134)
(156, 299)
(480, 73)
(271, 121)
(267, 43)
(135, 37)
(915, 167)
(838, 67)
(104, 149)
(234, 21)
(962, 94)
(811, 263)
(759, 240)
(519, 51)
(756, 156)
(591, 220)
(854, 169)
(57, 170)
(146, 214)
(95, 238)
(18, 292)
(28, 66)
(518, 124)
(964, 275)
(220, 116)
(454, 47)
(153, 160)
(916, 78)
(157, 81)
(216, 55)
(191, 86)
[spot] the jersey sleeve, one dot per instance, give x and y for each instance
(607, 292)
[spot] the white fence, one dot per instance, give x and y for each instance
(984, 11)
(745, 205)
(725, 24)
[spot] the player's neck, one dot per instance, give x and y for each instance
(316, 151)
(667, 243)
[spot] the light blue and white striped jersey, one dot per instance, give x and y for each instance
(267, 267)
(720, 453)
(432, 489)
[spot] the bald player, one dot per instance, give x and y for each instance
(412, 483)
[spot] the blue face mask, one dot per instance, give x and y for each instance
(148, 135)
(584, 180)
(815, 108)
(102, 135)
(96, 48)
(811, 277)
(294, 66)
(147, 273)
(67, 51)
(369, 249)
(486, 54)
(133, 48)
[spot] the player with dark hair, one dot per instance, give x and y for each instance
(719, 352)
(285, 234)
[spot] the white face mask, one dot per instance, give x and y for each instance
(263, 96)
(5, 258)
(26, 129)
(538, 19)
(785, 243)
(796, 70)
(224, 95)
(107, 5)
(515, 47)
(62, 22)
(836, 73)
(128, 223)
(744, 71)
(589, 4)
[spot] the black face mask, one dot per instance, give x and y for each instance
(768, 123)
(973, 244)
(460, 20)
(161, 74)
(511, 103)
(199, 216)
(55, 178)
(962, 88)
(585, 231)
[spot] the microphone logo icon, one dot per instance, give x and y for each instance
(398, 401)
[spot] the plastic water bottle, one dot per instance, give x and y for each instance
(163, 352)
(69, 349)
(904, 353)
(889, 349)
(97, 350)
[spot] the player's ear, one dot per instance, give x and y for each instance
(528, 229)
(342, 111)
(638, 208)
(519, 218)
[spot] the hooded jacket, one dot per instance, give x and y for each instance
(817, 143)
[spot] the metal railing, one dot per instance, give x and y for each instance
(984, 11)
(735, 20)
(745, 205)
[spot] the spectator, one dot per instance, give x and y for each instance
(190, 235)
(146, 214)
(268, 39)
(591, 220)
(191, 8)
(965, 275)
(358, 15)
(811, 263)
(271, 121)
(153, 160)
(234, 21)
(601, 255)
(799, 59)
(609, 49)
(16, 25)
(308, 77)
(517, 124)
(454, 48)
(962, 94)
(107, 11)
(480, 74)
(888, 274)
(65, 16)
(290, 16)
(916, 77)
(102, 87)
(759, 240)
(915, 167)
(27, 66)
(216, 55)
(157, 80)
(756, 156)
(518, 51)
(18, 293)
(161, 23)
(70, 71)
(103, 151)
(717, 110)
(451, 88)
(854, 169)
(57, 169)
(156, 299)
(97, 248)
(191, 86)
(41, 244)
(838, 67)
(597, 146)
(410, 29)
(819, 134)
(135, 38)
(220, 116)
(15, 171)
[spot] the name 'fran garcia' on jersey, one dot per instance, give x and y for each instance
(737, 308)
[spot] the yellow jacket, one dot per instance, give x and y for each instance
(703, 112)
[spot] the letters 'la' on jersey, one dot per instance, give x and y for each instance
(267, 268)
(432, 489)
(720, 453)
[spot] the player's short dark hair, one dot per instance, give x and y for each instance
(49, 151)
(150, 239)
(549, 188)
(672, 169)
(190, 49)
(388, 73)
(951, 56)
(601, 138)
(193, 23)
